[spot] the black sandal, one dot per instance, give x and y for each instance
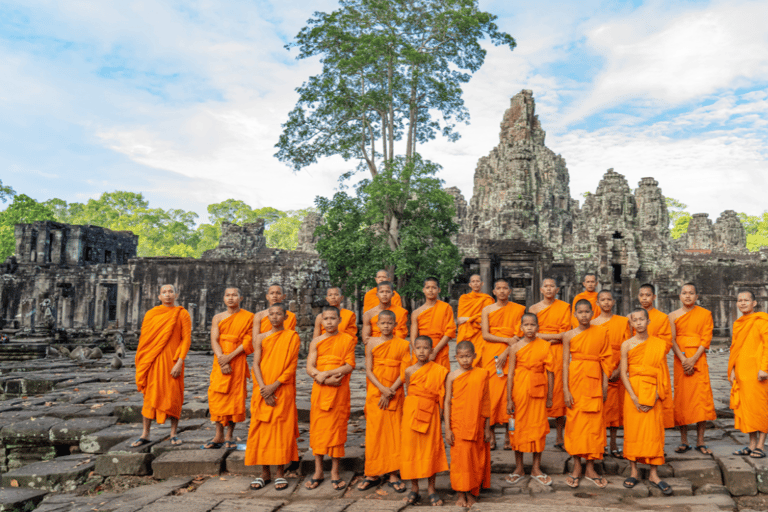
(210, 445)
(683, 448)
(703, 447)
(396, 482)
(760, 454)
(140, 442)
(664, 487)
(743, 452)
(434, 498)
(367, 484)
(413, 498)
(312, 482)
(339, 484)
(631, 482)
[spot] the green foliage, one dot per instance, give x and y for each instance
(756, 227)
(22, 210)
(6, 192)
(679, 218)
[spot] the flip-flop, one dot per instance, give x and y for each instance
(292, 471)
(617, 454)
(313, 481)
(231, 445)
(703, 447)
(259, 483)
(140, 442)
(281, 481)
(631, 482)
(210, 445)
(595, 480)
(559, 446)
(743, 452)
(413, 498)
(434, 498)
(575, 484)
(757, 453)
(393, 484)
(683, 448)
(513, 478)
(339, 484)
(367, 484)
(664, 487)
(175, 441)
(542, 479)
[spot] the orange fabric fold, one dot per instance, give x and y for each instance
(348, 323)
(749, 354)
(227, 393)
(505, 323)
(556, 319)
(619, 330)
(693, 394)
(529, 393)
(471, 306)
(470, 454)
(289, 324)
(401, 327)
(371, 300)
(659, 327)
(437, 322)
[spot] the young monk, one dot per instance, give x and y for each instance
(529, 393)
(586, 366)
(371, 317)
(386, 359)
(231, 342)
(470, 314)
(261, 323)
(691, 335)
(330, 362)
(371, 299)
(589, 293)
(421, 443)
(618, 330)
(748, 374)
(554, 321)
(274, 420)
(348, 318)
(643, 358)
(434, 319)
(467, 428)
(166, 333)
(659, 327)
(501, 330)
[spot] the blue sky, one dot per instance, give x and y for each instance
(183, 101)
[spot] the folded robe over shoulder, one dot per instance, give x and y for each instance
(592, 298)
(659, 327)
(401, 326)
(227, 393)
(166, 333)
(471, 306)
(585, 428)
(556, 319)
(529, 393)
(437, 322)
(348, 323)
(371, 300)
(618, 330)
(273, 430)
(289, 324)
(749, 354)
(421, 441)
(382, 427)
(329, 412)
(470, 454)
(505, 323)
(693, 394)
(644, 431)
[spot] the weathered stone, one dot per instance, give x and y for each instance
(71, 431)
(336, 505)
(235, 464)
(187, 503)
(32, 431)
(680, 487)
(194, 410)
(103, 440)
(136, 498)
(124, 463)
(738, 476)
(129, 412)
(189, 462)
(20, 500)
(250, 505)
(60, 474)
(681, 502)
(698, 471)
(761, 473)
(712, 489)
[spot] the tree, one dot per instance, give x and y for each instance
(22, 210)
(756, 227)
(679, 218)
(6, 192)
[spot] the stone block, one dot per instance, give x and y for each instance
(103, 440)
(235, 464)
(698, 471)
(376, 505)
(34, 430)
(124, 463)
(353, 460)
(720, 501)
(250, 505)
(680, 487)
(71, 431)
(189, 462)
(18, 455)
(738, 476)
(137, 497)
(187, 503)
(761, 472)
(60, 474)
(128, 412)
(337, 505)
(67, 412)
(20, 500)
(712, 489)
(194, 410)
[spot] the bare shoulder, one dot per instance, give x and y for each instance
(536, 307)
(568, 335)
(491, 308)
(675, 314)
(419, 311)
(452, 375)
(218, 317)
(517, 346)
(410, 370)
(373, 343)
(371, 313)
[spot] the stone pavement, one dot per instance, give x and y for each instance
(67, 427)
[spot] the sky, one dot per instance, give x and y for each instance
(184, 101)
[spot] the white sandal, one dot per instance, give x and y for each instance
(542, 479)
(513, 478)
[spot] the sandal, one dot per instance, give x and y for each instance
(617, 454)
(513, 478)
(231, 445)
(435, 500)
(743, 452)
(631, 482)
(574, 483)
(367, 484)
(210, 445)
(175, 441)
(542, 479)
(140, 442)
(703, 447)
(292, 471)
(259, 483)
(413, 498)
(282, 482)
(339, 484)
(598, 479)
(395, 484)
(314, 483)
(757, 453)
(683, 448)
(664, 487)
(560, 446)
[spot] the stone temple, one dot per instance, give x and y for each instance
(520, 223)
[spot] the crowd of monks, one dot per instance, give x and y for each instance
(589, 369)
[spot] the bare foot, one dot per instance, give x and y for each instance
(462, 501)
(471, 500)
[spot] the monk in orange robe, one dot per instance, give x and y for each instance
(618, 330)
(748, 373)
(386, 359)
(348, 318)
(586, 366)
(659, 327)
(261, 323)
(330, 362)
(274, 419)
(421, 442)
(643, 358)
(589, 293)
(468, 433)
(691, 335)
(166, 333)
(529, 393)
(501, 330)
(371, 299)
(434, 319)
(469, 321)
(231, 342)
(371, 317)
(554, 321)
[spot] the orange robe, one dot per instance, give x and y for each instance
(471, 306)
(619, 330)
(370, 300)
(693, 394)
(556, 319)
(592, 298)
(382, 427)
(273, 431)
(749, 354)
(166, 334)
(584, 426)
(422, 451)
(348, 323)
(227, 393)
(401, 325)
(644, 431)
(505, 323)
(529, 393)
(470, 454)
(659, 327)
(437, 322)
(289, 324)
(329, 412)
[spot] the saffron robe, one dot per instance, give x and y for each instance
(382, 427)
(348, 323)
(401, 325)
(749, 354)
(619, 330)
(505, 323)
(166, 334)
(529, 393)
(659, 327)
(592, 298)
(371, 300)
(422, 451)
(556, 319)
(289, 324)
(273, 430)
(644, 431)
(329, 412)
(585, 426)
(227, 393)
(470, 454)
(693, 394)
(437, 322)
(471, 306)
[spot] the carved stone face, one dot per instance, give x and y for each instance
(651, 214)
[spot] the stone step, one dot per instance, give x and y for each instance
(13, 499)
(59, 474)
(189, 462)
